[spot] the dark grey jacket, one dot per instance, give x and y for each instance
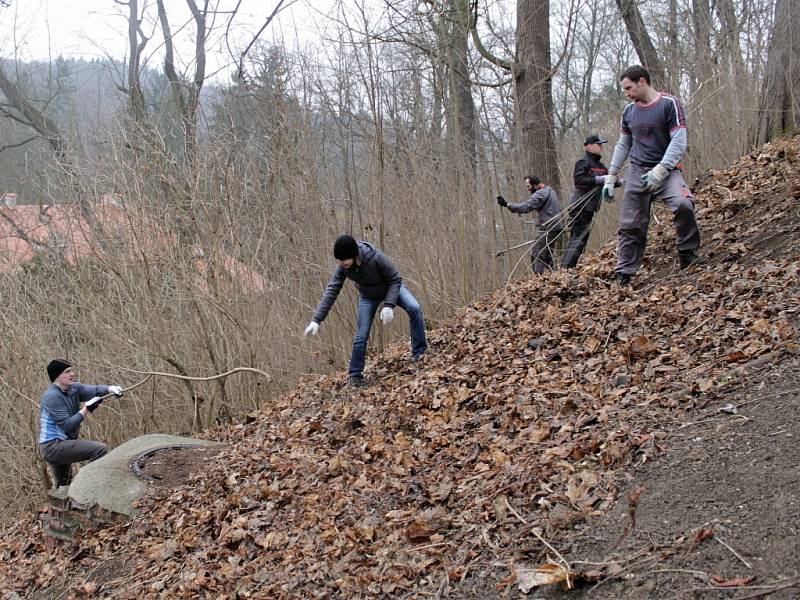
(546, 202)
(374, 275)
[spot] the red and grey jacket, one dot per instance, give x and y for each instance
(586, 176)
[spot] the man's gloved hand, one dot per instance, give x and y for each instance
(92, 404)
(116, 390)
(387, 314)
(654, 178)
(608, 188)
(312, 329)
(502, 201)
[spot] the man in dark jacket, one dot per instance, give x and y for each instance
(589, 176)
(549, 224)
(61, 418)
(377, 280)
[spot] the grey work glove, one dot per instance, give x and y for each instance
(608, 188)
(654, 178)
(312, 329)
(116, 390)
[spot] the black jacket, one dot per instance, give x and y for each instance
(374, 275)
(583, 176)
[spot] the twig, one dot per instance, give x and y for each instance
(775, 588)
(544, 541)
(693, 329)
(765, 589)
(736, 554)
(702, 574)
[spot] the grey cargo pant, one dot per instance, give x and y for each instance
(543, 247)
(634, 217)
(60, 454)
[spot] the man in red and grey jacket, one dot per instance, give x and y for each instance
(653, 135)
(589, 176)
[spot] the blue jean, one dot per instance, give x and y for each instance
(366, 313)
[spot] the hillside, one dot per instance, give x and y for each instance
(517, 443)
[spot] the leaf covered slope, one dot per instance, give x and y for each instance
(523, 420)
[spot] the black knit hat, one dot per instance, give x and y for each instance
(57, 367)
(345, 247)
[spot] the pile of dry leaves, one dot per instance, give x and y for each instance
(519, 424)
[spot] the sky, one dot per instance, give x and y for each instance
(42, 29)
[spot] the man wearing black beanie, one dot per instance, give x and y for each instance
(377, 280)
(61, 418)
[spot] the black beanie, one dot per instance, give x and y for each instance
(57, 367)
(345, 247)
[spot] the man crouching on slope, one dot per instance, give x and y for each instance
(377, 280)
(61, 418)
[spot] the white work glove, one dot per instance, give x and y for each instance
(92, 404)
(654, 178)
(115, 389)
(387, 314)
(608, 188)
(312, 329)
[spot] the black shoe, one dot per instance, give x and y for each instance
(624, 279)
(688, 258)
(355, 381)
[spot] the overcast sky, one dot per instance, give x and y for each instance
(41, 29)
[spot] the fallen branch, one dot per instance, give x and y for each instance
(736, 554)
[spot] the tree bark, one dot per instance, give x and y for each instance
(136, 44)
(779, 111)
(462, 128)
(642, 42)
(534, 97)
(186, 103)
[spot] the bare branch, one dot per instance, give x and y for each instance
(273, 14)
(482, 50)
(18, 144)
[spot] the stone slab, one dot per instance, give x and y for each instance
(109, 482)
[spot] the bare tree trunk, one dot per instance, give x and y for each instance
(462, 124)
(186, 104)
(730, 38)
(642, 42)
(779, 112)
(136, 44)
(534, 97)
(674, 75)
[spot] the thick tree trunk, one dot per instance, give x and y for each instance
(462, 127)
(779, 112)
(642, 42)
(534, 97)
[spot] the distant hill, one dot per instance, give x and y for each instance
(84, 98)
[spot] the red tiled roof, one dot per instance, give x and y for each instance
(62, 226)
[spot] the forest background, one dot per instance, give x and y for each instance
(399, 124)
